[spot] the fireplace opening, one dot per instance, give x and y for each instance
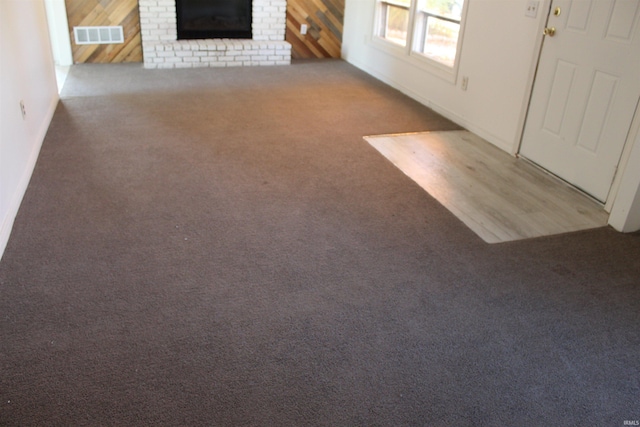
(214, 19)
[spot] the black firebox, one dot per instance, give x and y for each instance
(214, 19)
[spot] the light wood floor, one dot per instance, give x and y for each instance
(501, 198)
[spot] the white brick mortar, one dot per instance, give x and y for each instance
(162, 49)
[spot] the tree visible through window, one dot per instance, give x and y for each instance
(434, 25)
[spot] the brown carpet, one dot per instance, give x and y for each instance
(222, 248)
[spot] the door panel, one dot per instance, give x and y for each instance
(598, 110)
(556, 107)
(586, 92)
(621, 24)
(578, 16)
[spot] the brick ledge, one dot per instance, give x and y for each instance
(216, 53)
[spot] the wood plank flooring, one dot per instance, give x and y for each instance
(501, 198)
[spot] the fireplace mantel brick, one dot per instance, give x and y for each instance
(162, 49)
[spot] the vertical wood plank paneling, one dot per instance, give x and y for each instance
(106, 13)
(324, 19)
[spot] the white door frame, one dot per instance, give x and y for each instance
(624, 203)
(59, 32)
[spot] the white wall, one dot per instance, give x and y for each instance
(499, 54)
(27, 74)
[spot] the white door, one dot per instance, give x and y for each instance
(586, 91)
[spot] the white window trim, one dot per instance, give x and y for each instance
(406, 53)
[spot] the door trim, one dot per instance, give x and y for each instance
(623, 163)
(545, 11)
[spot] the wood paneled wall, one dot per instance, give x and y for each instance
(324, 19)
(106, 13)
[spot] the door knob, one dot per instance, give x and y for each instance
(549, 31)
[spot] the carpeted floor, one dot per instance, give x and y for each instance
(221, 247)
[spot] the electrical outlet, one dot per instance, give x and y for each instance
(303, 29)
(532, 9)
(23, 110)
(465, 83)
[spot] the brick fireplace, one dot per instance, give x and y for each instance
(162, 49)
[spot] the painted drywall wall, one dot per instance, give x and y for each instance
(26, 74)
(498, 56)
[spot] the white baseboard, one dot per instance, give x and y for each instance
(16, 200)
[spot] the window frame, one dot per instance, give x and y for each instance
(407, 52)
(384, 16)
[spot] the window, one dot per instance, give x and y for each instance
(394, 21)
(432, 29)
(437, 29)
